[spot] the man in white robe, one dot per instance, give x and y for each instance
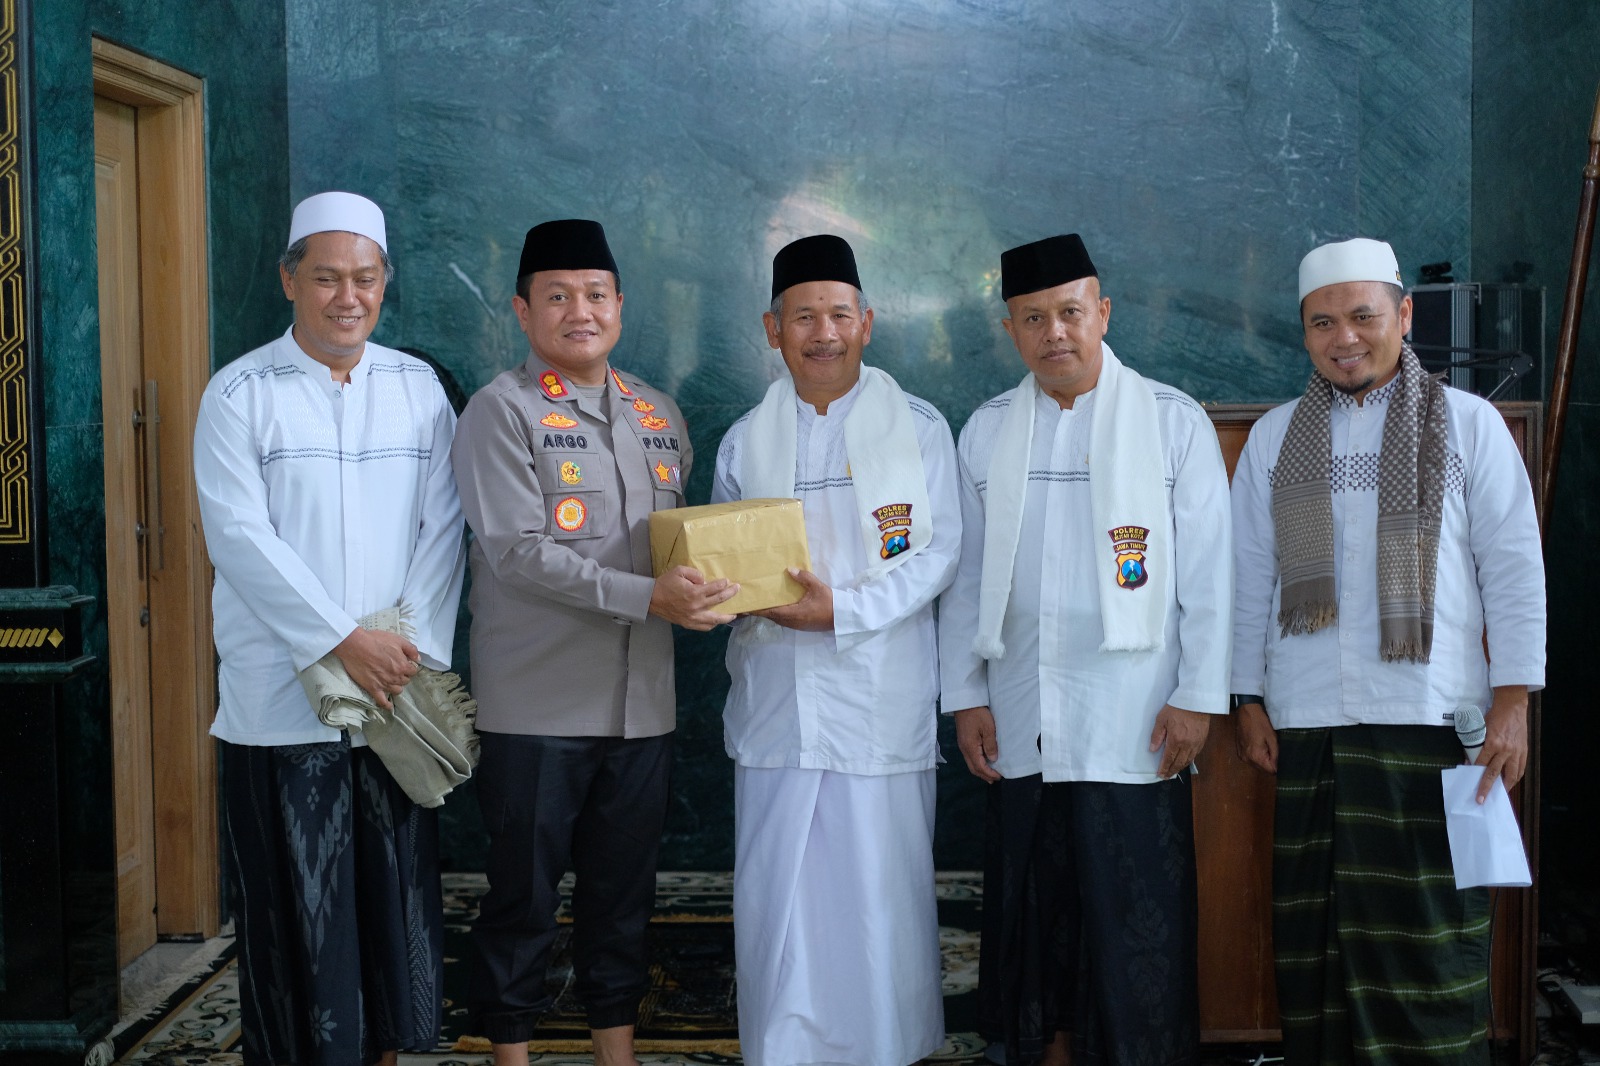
(831, 717)
(322, 462)
(1386, 538)
(1083, 647)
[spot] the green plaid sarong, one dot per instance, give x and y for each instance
(1380, 958)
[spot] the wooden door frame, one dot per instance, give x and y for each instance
(175, 306)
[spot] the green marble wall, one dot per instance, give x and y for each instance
(1202, 146)
(1534, 92)
(238, 50)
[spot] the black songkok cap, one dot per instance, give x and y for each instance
(1044, 265)
(820, 258)
(567, 244)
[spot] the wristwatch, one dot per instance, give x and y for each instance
(1239, 699)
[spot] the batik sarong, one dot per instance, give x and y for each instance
(338, 906)
(1090, 921)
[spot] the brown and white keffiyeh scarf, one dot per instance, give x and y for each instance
(1410, 506)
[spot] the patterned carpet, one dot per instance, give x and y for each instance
(687, 1017)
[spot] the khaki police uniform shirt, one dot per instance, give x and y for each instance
(558, 487)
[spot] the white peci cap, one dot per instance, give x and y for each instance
(1360, 259)
(344, 211)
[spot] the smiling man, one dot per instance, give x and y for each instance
(830, 719)
(560, 462)
(1083, 649)
(322, 462)
(1384, 523)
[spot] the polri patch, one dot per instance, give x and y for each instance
(557, 421)
(894, 523)
(571, 514)
(1130, 544)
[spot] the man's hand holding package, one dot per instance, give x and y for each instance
(813, 612)
(684, 597)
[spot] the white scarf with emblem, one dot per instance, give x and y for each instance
(1127, 492)
(885, 464)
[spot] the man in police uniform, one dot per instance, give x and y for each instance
(560, 463)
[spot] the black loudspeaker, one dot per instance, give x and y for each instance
(1486, 338)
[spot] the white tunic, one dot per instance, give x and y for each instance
(1091, 712)
(1490, 573)
(860, 699)
(321, 503)
(837, 932)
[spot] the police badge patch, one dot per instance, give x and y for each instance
(894, 523)
(571, 514)
(571, 473)
(1130, 544)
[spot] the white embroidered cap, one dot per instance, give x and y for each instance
(1360, 259)
(339, 211)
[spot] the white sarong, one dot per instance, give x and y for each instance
(836, 932)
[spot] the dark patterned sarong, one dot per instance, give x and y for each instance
(1380, 958)
(1090, 921)
(338, 906)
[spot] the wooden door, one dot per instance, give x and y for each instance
(131, 528)
(155, 361)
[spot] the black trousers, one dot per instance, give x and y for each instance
(596, 805)
(1091, 921)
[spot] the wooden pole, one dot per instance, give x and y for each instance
(1571, 318)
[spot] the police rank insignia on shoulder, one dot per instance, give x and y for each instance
(643, 406)
(653, 422)
(571, 514)
(616, 377)
(1130, 543)
(557, 421)
(571, 473)
(894, 523)
(552, 385)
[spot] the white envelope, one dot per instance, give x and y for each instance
(1485, 844)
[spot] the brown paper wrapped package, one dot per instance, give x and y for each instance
(750, 542)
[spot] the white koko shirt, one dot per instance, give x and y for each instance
(1061, 706)
(1491, 572)
(321, 503)
(862, 698)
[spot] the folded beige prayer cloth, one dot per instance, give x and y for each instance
(427, 743)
